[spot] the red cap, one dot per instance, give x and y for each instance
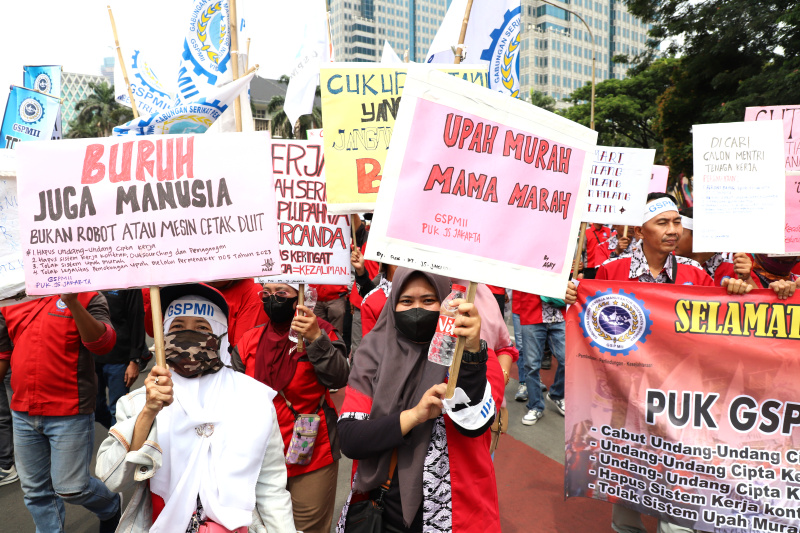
(459, 288)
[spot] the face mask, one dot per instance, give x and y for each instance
(417, 324)
(192, 353)
(279, 312)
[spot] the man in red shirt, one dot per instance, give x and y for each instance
(597, 251)
(331, 304)
(659, 233)
(49, 344)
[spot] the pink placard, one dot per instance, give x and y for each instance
(658, 179)
(475, 186)
(792, 228)
(791, 129)
(117, 213)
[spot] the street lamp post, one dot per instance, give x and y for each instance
(594, 54)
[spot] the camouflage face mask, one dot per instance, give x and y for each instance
(192, 353)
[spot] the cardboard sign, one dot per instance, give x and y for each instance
(791, 128)
(658, 179)
(314, 135)
(739, 187)
(118, 213)
(314, 245)
(618, 185)
(12, 276)
(360, 103)
(480, 186)
(684, 404)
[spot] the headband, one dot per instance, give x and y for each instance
(687, 222)
(657, 207)
(199, 307)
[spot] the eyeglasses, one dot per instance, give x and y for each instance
(280, 296)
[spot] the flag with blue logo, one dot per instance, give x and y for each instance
(493, 39)
(45, 79)
(149, 93)
(29, 116)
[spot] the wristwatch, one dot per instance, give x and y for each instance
(481, 356)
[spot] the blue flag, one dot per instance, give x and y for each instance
(45, 79)
(29, 116)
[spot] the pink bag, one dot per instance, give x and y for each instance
(213, 527)
(306, 427)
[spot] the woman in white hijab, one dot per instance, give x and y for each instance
(193, 441)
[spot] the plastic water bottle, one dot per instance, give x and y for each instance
(310, 302)
(443, 345)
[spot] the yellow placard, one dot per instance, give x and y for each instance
(359, 107)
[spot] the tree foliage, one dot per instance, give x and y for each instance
(281, 127)
(545, 101)
(98, 113)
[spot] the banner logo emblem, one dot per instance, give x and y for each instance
(503, 55)
(60, 304)
(616, 323)
(208, 46)
(30, 110)
(42, 83)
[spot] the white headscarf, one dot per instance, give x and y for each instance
(212, 444)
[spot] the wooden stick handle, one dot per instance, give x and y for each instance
(158, 326)
(459, 51)
(455, 366)
(577, 263)
(128, 86)
(301, 300)
(625, 233)
(233, 24)
(353, 229)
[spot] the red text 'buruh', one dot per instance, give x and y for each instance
(164, 159)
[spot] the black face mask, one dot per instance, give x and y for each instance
(417, 324)
(279, 312)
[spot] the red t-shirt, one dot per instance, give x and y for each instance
(495, 289)
(597, 246)
(327, 293)
(620, 270)
(372, 270)
(371, 309)
(528, 307)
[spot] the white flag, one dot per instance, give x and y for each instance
(389, 56)
(492, 39)
(304, 77)
(149, 93)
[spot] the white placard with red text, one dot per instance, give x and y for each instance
(117, 213)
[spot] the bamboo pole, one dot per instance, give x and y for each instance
(124, 70)
(158, 326)
(459, 50)
(577, 263)
(625, 233)
(353, 229)
(455, 366)
(301, 300)
(247, 58)
(233, 24)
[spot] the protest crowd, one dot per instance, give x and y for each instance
(389, 310)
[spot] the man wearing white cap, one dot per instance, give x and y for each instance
(655, 262)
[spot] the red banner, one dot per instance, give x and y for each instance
(684, 404)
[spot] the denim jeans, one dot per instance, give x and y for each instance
(534, 337)
(53, 458)
(111, 377)
(6, 431)
(521, 365)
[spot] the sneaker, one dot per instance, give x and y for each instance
(522, 393)
(8, 476)
(532, 417)
(559, 404)
(110, 525)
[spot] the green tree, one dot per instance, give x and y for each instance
(540, 99)
(98, 113)
(281, 127)
(626, 111)
(733, 54)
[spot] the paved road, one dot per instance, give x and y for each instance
(530, 479)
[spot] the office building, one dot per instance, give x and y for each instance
(556, 56)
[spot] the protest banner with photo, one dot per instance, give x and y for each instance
(618, 185)
(314, 245)
(739, 178)
(482, 187)
(658, 179)
(45, 79)
(684, 404)
(29, 116)
(12, 275)
(790, 115)
(360, 103)
(113, 213)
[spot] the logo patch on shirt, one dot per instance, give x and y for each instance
(616, 323)
(60, 304)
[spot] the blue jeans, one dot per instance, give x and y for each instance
(521, 365)
(534, 337)
(111, 377)
(53, 457)
(6, 431)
